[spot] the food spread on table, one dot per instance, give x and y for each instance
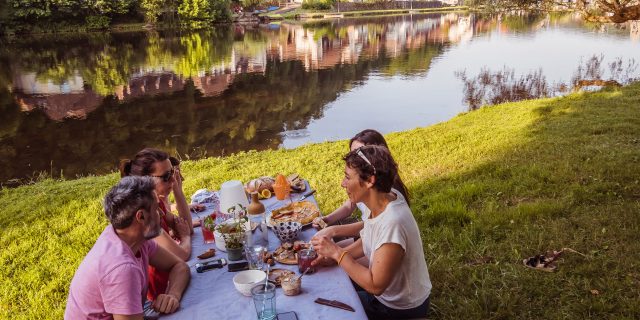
(303, 212)
(264, 185)
(287, 253)
(207, 254)
(276, 275)
(297, 183)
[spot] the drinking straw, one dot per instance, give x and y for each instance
(266, 282)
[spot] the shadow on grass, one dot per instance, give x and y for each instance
(568, 179)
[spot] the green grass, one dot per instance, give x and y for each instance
(505, 182)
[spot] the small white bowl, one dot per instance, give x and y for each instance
(245, 280)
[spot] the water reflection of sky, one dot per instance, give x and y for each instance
(437, 95)
(229, 89)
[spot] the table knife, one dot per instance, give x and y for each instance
(335, 304)
(308, 194)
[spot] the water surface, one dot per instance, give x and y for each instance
(74, 104)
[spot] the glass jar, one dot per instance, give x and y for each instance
(305, 257)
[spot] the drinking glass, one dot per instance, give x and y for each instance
(255, 257)
(264, 299)
(304, 260)
(208, 225)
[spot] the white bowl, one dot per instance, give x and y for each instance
(245, 280)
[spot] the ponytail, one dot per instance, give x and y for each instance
(125, 167)
(399, 185)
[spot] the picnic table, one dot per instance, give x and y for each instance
(212, 295)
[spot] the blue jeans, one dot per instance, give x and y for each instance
(376, 310)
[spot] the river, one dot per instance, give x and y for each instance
(74, 104)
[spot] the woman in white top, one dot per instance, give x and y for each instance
(367, 137)
(396, 284)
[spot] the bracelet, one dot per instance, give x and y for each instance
(342, 256)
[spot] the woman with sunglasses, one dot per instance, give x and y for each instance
(396, 283)
(177, 230)
(367, 137)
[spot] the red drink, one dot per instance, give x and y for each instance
(208, 225)
(304, 260)
(208, 235)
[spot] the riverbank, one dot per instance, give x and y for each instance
(315, 14)
(488, 188)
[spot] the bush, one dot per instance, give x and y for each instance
(317, 4)
(97, 22)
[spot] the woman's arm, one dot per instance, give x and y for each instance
(348, 230)
(182, 250)
(181, 200)
(374, 279)
(377, 278)
(345, 210)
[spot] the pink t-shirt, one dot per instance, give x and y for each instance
(110, 280)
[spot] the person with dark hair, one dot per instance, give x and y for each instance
(175, 235)
(396, 284)
(111, 281)
(367, 137)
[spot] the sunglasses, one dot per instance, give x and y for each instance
(361, 154)
(167, 176)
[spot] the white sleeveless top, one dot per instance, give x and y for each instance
(364, 210)
(411, 285)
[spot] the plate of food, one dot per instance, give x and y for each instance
(303, 212)
(276, 275)
(287, 253)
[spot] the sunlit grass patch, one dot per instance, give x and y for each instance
(489, 188)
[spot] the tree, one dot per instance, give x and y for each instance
(152, 10)
(194, 10)
(617, 11)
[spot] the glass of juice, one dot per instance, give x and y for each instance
(304, 260)
(208, 225)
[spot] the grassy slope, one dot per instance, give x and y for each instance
(508, 182)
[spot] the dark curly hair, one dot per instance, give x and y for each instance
(382, 166)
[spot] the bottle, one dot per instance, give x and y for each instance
(256, 216)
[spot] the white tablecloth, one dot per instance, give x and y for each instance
(212, 295)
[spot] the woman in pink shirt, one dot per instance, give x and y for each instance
(177, 230)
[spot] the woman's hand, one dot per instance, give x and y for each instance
(182, 227)
(325, 247)
(178, 178)
(319, 223)
(328, 232)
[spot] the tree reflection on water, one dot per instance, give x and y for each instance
(495, 87)
(75, 105)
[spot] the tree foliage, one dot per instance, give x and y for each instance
(616, 11)
(96, 14)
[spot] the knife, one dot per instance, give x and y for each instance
(304, 196)
(335, 304)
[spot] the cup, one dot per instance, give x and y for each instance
(255, 256)
(282, 191)
(305, 257)
(264, 299)
(291, 285)
(207, 225)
